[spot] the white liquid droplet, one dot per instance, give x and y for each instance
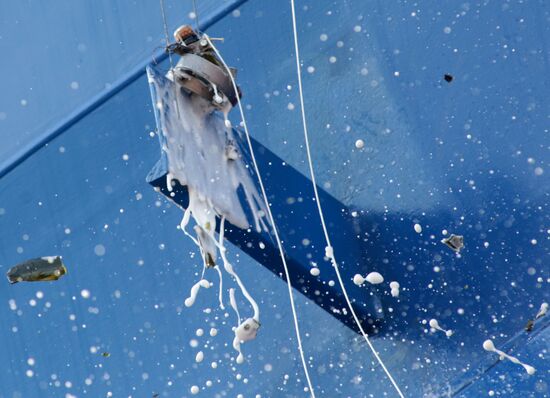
(358, 279)
(375, 278)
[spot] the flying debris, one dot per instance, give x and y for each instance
(200, 71)
(37, 270)
(455, 242)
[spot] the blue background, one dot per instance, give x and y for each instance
(469, 157)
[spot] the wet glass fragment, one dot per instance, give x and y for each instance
(37, 270)
(455, 242)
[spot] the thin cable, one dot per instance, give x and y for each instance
(166, 32)
(196, 12)
(271, 219)
(320, 209)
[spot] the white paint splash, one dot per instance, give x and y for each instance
(204, 154)
(488, 345)
(435, 325)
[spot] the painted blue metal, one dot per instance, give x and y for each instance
(40, 139)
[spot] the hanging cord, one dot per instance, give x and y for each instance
(166, 32)
(271, 219)
(320, 209)
(196, 12)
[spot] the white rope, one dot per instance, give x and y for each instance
(320, 209)
(271, 219)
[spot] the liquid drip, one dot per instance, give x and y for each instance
(435, 325)
(488, 345)
(195, 291)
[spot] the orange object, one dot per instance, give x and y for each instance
(183, 32)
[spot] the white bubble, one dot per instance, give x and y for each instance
(290, 106)
(99, 250)
(310, 69)
(194, 390)
(314, 271)
(199, 357)
(74, 85)
(85, 293)
(417, 228)
(447, 29)
(125, 156)
(539, 171)
(357, 28)
(332, 59)
(359, 144)
(323, 37)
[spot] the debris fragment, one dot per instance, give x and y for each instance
(448, 78)
(37, 270)
(454, 242)
(529, 326)
(106, 354)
